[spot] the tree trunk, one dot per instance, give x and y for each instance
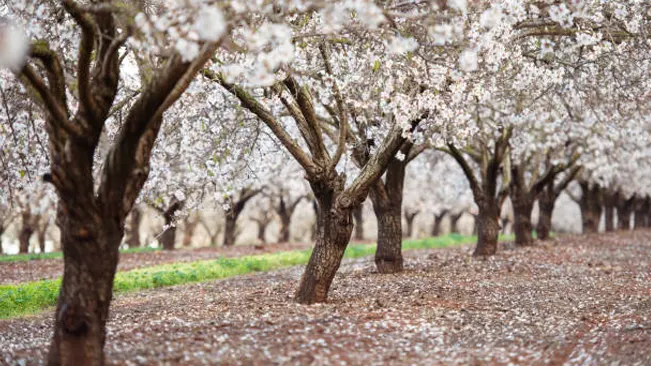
(609, 208)
(409, 218)
(230, 228)
(26, 232)
(284, 233)
(454, 221)
(2, 231)
(624, 211)
(546, 202)
(522, 227)
(133, 232)
(358, 215)
(388, 256)
(315, 227)
(334, 229)
(505, 224)
(488, 228)
(438, 219)
(262, 229)
(590, 204)
(91, 253)
(41, 237)
(642, 207)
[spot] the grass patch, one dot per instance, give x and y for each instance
(31, 297)
(56, 255)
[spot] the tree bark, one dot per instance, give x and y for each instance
(546, 203)
(624, 211)
(505, 224)
(26, 231)
(454, 222)
(358, 215)
(189, 227)
(488, 228)
(642, 207)
(590, 204)
(42, 230)
(334, 229)
(90, 249)
(610, 201)
(230, 228)
(438, 220)
(133, 232)
(409, 218)
(285, 210)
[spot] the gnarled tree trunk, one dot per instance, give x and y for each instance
(230, 228)
(334, 229)
(410, 216)
(546, 203)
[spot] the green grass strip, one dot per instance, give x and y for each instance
(56, 255)
(31, 297)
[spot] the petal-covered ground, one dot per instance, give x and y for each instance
(578, 300)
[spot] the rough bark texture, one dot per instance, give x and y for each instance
(488, 228)
(438, 220)
(133, 232)
(590, 204)
(454, 222)
(334, 229)
(386, 196)
(358, 215)
(168, 237)
(230, 228)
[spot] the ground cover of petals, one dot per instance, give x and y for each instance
(575, 300)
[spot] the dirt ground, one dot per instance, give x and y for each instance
(39, 269)
(578, 300)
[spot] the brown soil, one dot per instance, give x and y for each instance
(581, 300)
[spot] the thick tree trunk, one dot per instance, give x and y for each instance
(454, 222)
(358, 215)
(522, 227)
(388, 256)
(315, 227)
(262, 230)
(590, 204)
(438, 220)
(642, 207)
(334, 229)
(230, 229)
(91, 253)
(168, 238)
(284, 233)
(133, 232)
(488, 228)
(546, 203)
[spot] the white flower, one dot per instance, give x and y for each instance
(400, 45)
(400, 156)
(546, 47)
(13, 47)
(179, 195)
(468, 61)
(187, 49)
(211, 24)
(461, 5)
(490, 18)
